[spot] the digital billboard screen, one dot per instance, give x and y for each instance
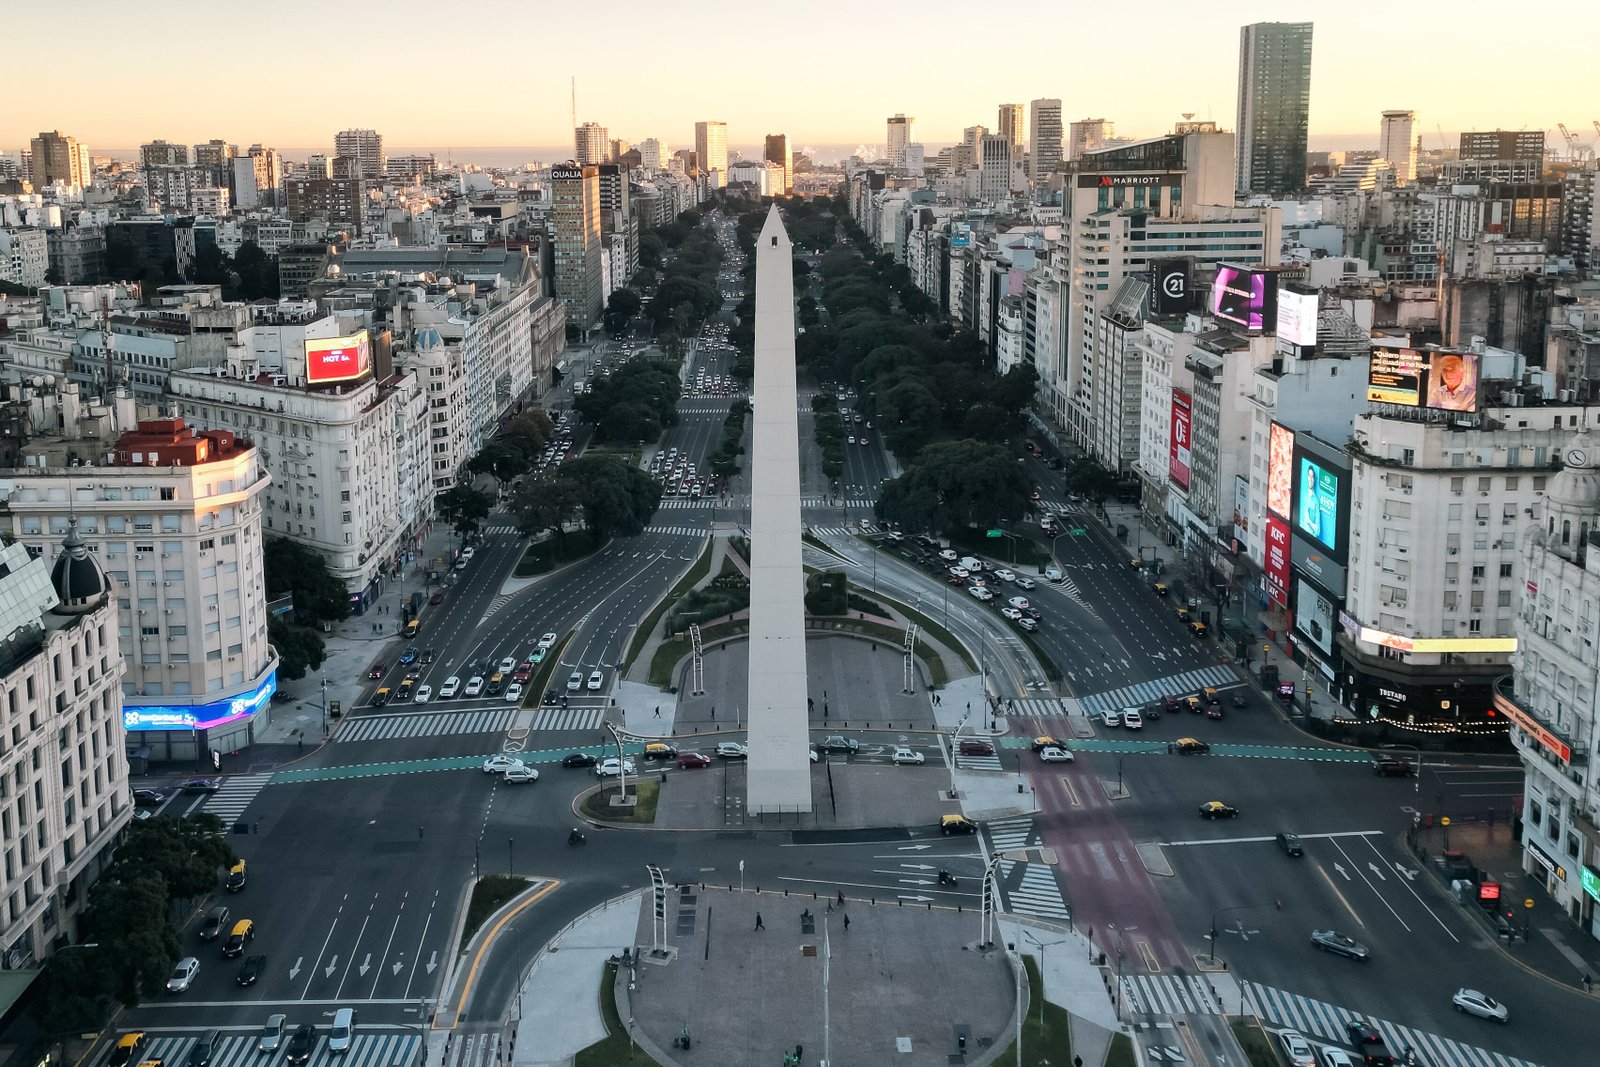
(1244, 297)
(1314, 615)
(1280, 470)
(1276, 563)
(1317, 503)
(203, 716)
(337, 359)
(1297, 317)
(1178, 456)
(1241, 512)
(1169, 286)
(1443, 381)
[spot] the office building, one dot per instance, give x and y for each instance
(1525, 146)
(58, 158)
(335, 201)
(711, 146)
(777, 151)
(77, 253)
(1088, 135)
(652, 154)
(24, 256)
(591, 143)
(575, 220)
(994, 167)
(1274, 107)
(1010, 126)
(1398, 144)
(159, 153)
(67, 796)
(898, 136)
(1044, 138)
(364, 146)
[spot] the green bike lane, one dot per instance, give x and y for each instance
(346, 772)
(1218, 748)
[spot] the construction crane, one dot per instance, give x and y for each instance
(1577, 151)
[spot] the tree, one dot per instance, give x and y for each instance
(464, 507)
(300, 648)
(532, 429)
(187, 852)
(956, 484)
(129, 922)
(291, 568)
(257, 272)
(545, 505)
(631, 420)
(616, 498)
(620, 310)
(210, 266)
(504, 458)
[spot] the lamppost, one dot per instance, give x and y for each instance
(1032, 854)
(476, 865)
(1212, 936)
(622, 763)
(1416, 777)
(1041, 946)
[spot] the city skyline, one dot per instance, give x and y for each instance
(828, 108)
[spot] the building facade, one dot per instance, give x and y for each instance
(897, 135)
(58, 158)
(1089, 135)
(591, 142)
(1274, 107)
(1397, 143)
(364, 146)
(575, 220)
(711, 146)
(777, 151)
(1044, 138)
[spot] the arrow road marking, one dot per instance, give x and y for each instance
(296, 968)
(397, 968)
(433, 961)
(1375, 869)
(333, 965)
(1409, 873)
(366, 965)
(1342, 872)
(914, 848)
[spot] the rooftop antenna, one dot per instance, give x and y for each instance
(574, 103)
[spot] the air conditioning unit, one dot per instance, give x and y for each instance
(138, 555)
(168, 611)
(1454, 551)
(166, 583)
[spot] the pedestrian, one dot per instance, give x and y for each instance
(759, 924)
(658, 711)
(300, 744)
(847, 921)
(713, 713)
(841, 898)
(1588, 984)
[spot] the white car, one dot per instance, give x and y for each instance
(1052, 573)
(513, 692)
(451, 686)
(423, 694)
(1019, 602)
(1480, 1004)
(508, 665)
(474, 686)
(521, 773)
(908, 755)
(467, 554)
(574, 681)
(1133, 718)
(547, 640)
(1052, 754)
(1024, 582)
(183, 975)
(596, 681)
(1111, 718)
(732, 750)
(1336, 1057)
(1297, 1049)
(1027, 624)
(959, 572)
(500, 764)
(949, 555)
(1005, 575)
(1010, 613)
(980, 593)
(610, 767)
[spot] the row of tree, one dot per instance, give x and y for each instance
(635, 402)
(248, 274)
(608, 496)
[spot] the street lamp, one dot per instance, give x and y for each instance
(1041, 946)
(1215, 959)
(1033, 854)
(476, 865)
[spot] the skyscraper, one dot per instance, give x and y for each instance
(777, 151)
(59, 158)
(1044, 138)
(590, 140)
(994, 166)
(1398, 145)
(365, 146)
(711, 146)
(1010, 127)
(575, 216)
(899, 136)
(653, 157)
(1274, 106)
(1086, 135)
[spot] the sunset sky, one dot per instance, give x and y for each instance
(293, 72)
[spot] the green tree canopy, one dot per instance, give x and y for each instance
(615, 498)
(620, 309)
(289, 567)
(300, 648)
(464, 507)
(955, 484)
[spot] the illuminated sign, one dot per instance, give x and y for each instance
(1297, 317)
(1401, 643)
(1317, 515)
(337, 359)
(1241, 512)
(1110, 181)
(1169, 286)
(1247, 298)
(1443, 381)
(1589, 878)
(199, 716)
(1277, 560)
(1178, 456)
(1535, 729)
(1280, 470)
(961, 235)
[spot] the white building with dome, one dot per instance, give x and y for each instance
(1551, 699)
(440, 368)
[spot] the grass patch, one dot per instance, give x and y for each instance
(613, 1050)
(1257, 1049)
(1120, 1054)
(597, 805)
(940, 634)
(670, 652)
(1046, 1041)
(542, 557)
(698, 570)
(489, 895)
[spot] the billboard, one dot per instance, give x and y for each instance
(199, 716)
(337, 359)
(1276, 565)
(1297, 318)
(1178, 441)
(1241, 512)
(1317, 502)
(1280, 472)
(1314, 615)
(1444, 381)
(1169, 286)
(960, 235)
(1245, 297)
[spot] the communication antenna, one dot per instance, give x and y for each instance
(574, 101)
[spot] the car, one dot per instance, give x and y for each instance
(597, 681)
(908, 755)
(408, 657)
(1019, 602)
(975, 746)
(204, 1047)
(731, 750)
(183, 975)
(949, 555)
(690, 761)
(547, 641)
(514, 693)
(1111, 717)
(451, 686)
(1290, 843)
(1238, 700)
(474, 686)
(382, 696)
(1005, 575)
(523, 673)
(980, 593)
(1216, 809)
(1044, 741)
(1296, 1049)
(1194, 705)
(659, 750)
(1052, 573)
(1152, 711)
(578, 759)
(301, 1042)
(1024, 583)
(407, 688)
(235, 879)
(244, 932)
(214, 922)
(865, 440)
(852, 439)
(1133, 718)
(610, 767)
(250, 970)
(377, 670)
(202, 785)
(500, 763)
(1213, 711)
(423, 694)
(518, 774)
(1055, 754)
(148, 798)
(957, 824)
(1339, 944)
(1480, 1004)
(574, 681)
(1368, 1043)
(497, 682)
(270, 1037)
(467, 554)
(959, 572)
(1391, 767)
(342, 1033)
(437, 598)
(127, 1049)
(1336, 1057)
(1025, 623)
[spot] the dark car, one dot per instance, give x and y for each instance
(377, 670)
(1369, 1043)
(1152, 710)
(1390, 767)
(577, 759)
(1238, 700)
(1216, 809)
(251, 969)
(838, 743)
(1343, 945)
(212, 925)
(204, 1048)
(1188, 745)
(1213, 711)
(409, 656)
(972, 746)
(148, 798)
(437, 598)
(1290, 843)
(301, 1043)
(427, 655)
(202, 785)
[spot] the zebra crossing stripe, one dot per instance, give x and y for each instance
(978, 763)
(1042, 707)
(568, 718)
(435, 724)
(1144, 692)
(235, 796)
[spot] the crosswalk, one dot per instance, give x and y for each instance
(426, 724)
(1170, 994)
(978, 763)
(1035, 891)
(680, 502)
(1039, 708)
(367, 1049)
(568, 718)
(1319, 1019)
(844, 531)
(679, 531)
(229, 802)
(831, 502)
(1130, 696)
(500, 528)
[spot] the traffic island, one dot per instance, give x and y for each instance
(605, 804)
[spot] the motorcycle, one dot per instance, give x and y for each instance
(946, 878)
(576, 838)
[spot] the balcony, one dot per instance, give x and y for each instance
(1553, 744)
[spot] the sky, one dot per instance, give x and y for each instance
(498, 72)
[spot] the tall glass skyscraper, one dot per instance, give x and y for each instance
(1274, 105)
